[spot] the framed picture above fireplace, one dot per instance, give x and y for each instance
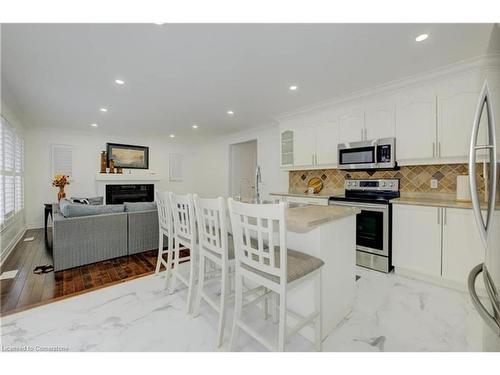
(128, 156)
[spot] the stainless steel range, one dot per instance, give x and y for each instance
(374, 223)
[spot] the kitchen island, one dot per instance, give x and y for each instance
(328, 233)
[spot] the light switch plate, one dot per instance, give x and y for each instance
(434, 183)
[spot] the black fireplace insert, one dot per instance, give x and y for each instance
(117, 194)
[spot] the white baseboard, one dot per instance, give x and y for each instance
(12, 245)
(36, 225)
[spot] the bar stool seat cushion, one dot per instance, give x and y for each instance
(298, 265)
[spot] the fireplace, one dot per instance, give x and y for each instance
(117, 194)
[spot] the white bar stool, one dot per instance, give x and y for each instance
(185, 236)
(215, 245)
(258, 258)
(166, 229)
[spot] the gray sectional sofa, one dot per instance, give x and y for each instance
(84, 234)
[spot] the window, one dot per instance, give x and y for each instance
(11, 173)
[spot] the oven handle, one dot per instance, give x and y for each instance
(373, 207)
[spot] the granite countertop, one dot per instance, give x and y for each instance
(306, 218)
(320, 195)
(436, 200)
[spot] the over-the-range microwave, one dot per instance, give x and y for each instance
(374, 154)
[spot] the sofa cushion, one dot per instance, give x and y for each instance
(91, 200)
(69, 209)
(139, 206)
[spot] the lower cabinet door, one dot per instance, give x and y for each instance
(462, 247)
(417, 239)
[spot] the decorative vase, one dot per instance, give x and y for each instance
(103, 162)
(111, 166)
(61, 193)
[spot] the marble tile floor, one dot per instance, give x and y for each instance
(390, 313)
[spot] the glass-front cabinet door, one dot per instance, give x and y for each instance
(287, 148)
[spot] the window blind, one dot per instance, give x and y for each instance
(11, 173)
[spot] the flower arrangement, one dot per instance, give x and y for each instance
(60, 181)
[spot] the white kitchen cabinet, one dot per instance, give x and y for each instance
(462, 247)
(352, 127)
(416, 127)
(455, 118)
(379, 121)
(417, 239)
(327, 139)
(287, 148)
(304, 146)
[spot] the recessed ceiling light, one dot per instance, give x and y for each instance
(159, 23)
(94, 125)
(119, 81)
(421, 37)
(103, 109)
(172, 135)
(293, 87)
(194, 126)
(230, 113)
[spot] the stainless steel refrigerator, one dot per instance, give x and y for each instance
(487, 218)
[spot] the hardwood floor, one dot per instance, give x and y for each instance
(28, 290)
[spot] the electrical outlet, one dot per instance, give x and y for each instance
(434, 183)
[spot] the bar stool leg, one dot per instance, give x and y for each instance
(176, 268)
(222, 308)
(282, 323)
(160, 253)
(192, 273)
(237, 310)
(201, 282)
(170, 251)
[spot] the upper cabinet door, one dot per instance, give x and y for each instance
(304, 146)
(416, 127)
(352, 127)
(287, 148)
(327, 139)
(455, 118)
(379, 121)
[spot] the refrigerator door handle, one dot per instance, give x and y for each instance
(490, 319)
(491, 147)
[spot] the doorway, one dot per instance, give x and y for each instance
(242, 166)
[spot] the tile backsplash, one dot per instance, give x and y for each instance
(413, 179)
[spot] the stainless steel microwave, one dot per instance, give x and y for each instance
(374, 154)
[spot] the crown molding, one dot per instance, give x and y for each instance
(485, 62)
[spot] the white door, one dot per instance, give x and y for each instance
(416, 128)
(417, 239)
(379, 121)
(462, 248)
(455, 118)
(304, 146)
(352, 127)
(327, 139)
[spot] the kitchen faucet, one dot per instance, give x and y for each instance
(258, 179)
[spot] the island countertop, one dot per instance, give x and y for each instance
(305, 218)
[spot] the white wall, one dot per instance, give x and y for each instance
(12, 233)
(86, 163)
(212, 177)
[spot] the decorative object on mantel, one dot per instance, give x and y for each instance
(104, 161)
(111, 166)
(463, 188)
(60, 181)
(119, 170)
(314, 186)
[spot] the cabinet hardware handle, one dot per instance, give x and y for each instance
(445, 214)
(312, 157)
(439, 149)
(362, 137)
(439, 214)
(433, 149)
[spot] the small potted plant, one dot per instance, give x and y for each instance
(60, 181)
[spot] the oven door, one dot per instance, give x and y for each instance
(372, 227)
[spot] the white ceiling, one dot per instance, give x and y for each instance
(180, 74)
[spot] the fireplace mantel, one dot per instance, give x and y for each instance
(125, 177)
